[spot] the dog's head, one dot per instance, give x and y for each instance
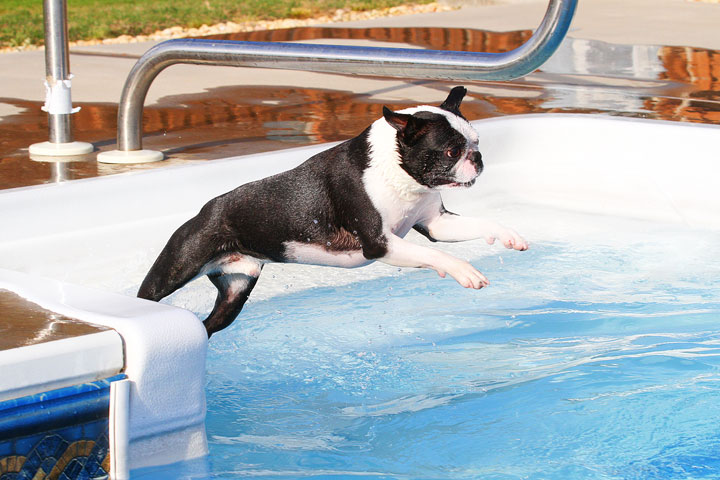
(437, 146)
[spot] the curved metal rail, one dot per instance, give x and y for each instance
(391, 62)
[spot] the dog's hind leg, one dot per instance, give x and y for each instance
(234, 275)
(233, 291)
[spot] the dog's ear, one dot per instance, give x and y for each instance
(409, 127)
(398, 120)
(452, 102)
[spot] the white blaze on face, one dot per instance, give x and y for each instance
(458, 123)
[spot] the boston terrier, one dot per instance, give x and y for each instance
(345, 207)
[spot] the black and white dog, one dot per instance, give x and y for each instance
(344, 207)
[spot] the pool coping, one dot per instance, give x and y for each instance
(61, 363)
(164, 361)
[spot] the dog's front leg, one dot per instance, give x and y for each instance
(402, 253)
(448, 227)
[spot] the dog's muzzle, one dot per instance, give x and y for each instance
(468, 169)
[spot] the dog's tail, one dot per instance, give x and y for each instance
(179, 262)
(187, 254)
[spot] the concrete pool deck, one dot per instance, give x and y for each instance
(100, 70)
(100, 73)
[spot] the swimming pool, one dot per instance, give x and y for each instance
(588, 359)
(592, 355)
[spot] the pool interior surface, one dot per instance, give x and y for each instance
(594, 355)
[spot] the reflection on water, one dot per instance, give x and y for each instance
(584, 76)
(434, 38)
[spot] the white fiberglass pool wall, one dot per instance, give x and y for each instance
(83, 247)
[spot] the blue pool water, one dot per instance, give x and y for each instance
(580, 361)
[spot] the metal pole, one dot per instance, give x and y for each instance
(58, 101)
(391, 62)
(57, 64)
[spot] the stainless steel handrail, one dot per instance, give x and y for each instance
(392, 62)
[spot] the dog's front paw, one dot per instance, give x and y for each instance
(465, 274)
(509, 237)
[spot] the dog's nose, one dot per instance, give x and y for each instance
(477, 160)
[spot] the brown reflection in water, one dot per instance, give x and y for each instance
(696, 66)
(240, 120)
(699, 67)
(25, 323)
(460, 39)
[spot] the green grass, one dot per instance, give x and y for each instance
(21, 21)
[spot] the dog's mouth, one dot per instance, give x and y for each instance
(462, 184)
(452, 183)
(464, 172)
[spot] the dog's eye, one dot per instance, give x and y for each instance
(453, 152)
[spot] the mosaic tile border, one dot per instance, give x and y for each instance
(61, 434)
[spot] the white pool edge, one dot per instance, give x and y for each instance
(60, 363)
(164, 357)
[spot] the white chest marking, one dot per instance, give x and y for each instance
(399, 198)
(384, 179)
